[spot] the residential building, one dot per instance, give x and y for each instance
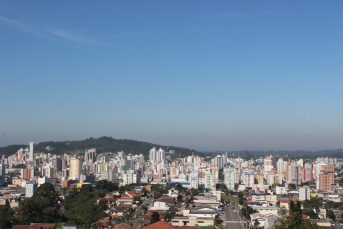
(30, 188)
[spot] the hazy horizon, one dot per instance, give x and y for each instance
(224, 75)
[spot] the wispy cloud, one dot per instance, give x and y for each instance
(217, 30)
(20, 26)
(69, 35)
(231, 15)
(42, 32)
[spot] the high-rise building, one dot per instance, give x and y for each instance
(156, 155)
(90, 155)
(219, 161)
(30, 188)
(249, 179)
(308, 174)
(132, 177)
(2, 173)
(109, 175)
(229, 179)
(57, 164)
(32, 145)
(295, 174)
(75, 168)
(208, 179)
(194, 179)
(304, 193)
(48, 171)
(268, 163)
(325, 180)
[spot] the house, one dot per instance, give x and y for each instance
(14, 204)
(166, 199)
(159, 206)
(321, 222)
(124, 201)
(4, 201)
(265, 210)
(129, 194)
(159, 225)
(192, 221)
(203, 212)
(262, 219)
(124, 206)
(138, 223)
(285, 204)
(116, 212)
(202, 202)
(35, 226)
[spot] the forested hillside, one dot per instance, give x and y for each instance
(102, 144)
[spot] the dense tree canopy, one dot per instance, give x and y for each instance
(155, 217)
(42, 207)
(295, 219)
(6, 216)
(81, 208)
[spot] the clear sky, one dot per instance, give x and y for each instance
(207, 75)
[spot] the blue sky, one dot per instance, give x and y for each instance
(207, 75)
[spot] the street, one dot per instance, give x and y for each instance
(231, 219)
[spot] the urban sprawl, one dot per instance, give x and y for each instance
(165, 191)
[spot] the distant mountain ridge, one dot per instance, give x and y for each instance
(109, 144)
(102, 144)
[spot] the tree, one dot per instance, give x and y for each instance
(179, 198)
(295, 220)
(155, 217)
(247, 210)
(310, 213)
(292, 186)
(218, 223)
(168, 217)
(42, 207)
(144, 208)
(330, 214)
(81, 208)
(106, 185)
(6, 216)
(145, 192)
(256, 223)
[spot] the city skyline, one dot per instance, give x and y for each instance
(206, 76)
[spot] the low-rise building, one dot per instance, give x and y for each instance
(192, 221)
(159, 206)
(265, 210)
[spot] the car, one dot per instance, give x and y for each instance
(237, 219)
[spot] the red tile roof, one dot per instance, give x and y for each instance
(39, 226)
(132, 193)
(185, 227)
(159, 225)
(284, 201)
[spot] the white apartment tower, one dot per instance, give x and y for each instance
(157, 155)
(32, 145)
(75, 168)
(194, 179)
(90, 155)
(304, 193)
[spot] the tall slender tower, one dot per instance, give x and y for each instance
(32, 145)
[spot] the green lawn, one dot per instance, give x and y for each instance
(230, 198)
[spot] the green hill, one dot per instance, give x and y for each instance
(102, 144)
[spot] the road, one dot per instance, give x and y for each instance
(139, 210)
(231, 219)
